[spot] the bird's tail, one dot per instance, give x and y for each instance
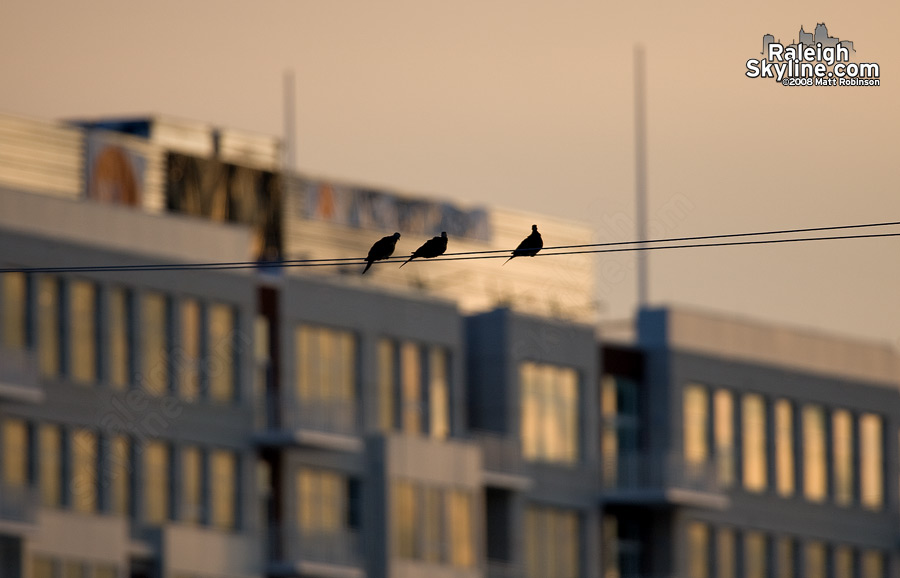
(508, 260)
(407, 261)
(368, 264)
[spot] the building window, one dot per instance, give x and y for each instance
(188, 363)
(84, 470)
(842, 448)
(120, 344)
(697, 550)
(432, 525)
(43, 567)
(726, 555)
(784, 561)
(753, 413)
(439, 393)
(814, 560)
(223, 489)
(322, 504)
(552, 543)
(82, 335)
(48, 326)
(155, 333)
(872, 564)
(784, 448)
(191, 484)
(105, 571)
(50, 460)
(156, 482)
(404, 520)
(387, 371)
(459, 518)
(871, 475)
(221, 364)
(73, 569)
(411, 387)
(15, 452)
(723, 406)
(696, 420)
(14, 297)
(326, 378)
(815, 481)
(755, 555)
(843, 562)
(120, 475)
(549, 406)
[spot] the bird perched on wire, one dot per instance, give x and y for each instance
(432, 248)
(529, 246)
(382, 249)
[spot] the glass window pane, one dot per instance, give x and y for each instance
(188, 363)
(814, 560)
(50, 440)
(326, 377)
(120, 472)
(43, 567)
(15, 452)
(386, 381)
(871, 478)
(221, 351)
(192, 484)
(48, 326)
(459, 517)
(549, 413)
(872, 563)
(843, 562)
(698, 550)
(154, 330)
(119, 338)
(223, 466)
(433, 519)
(754, 442)
(84, 470)
(784, 447)
(404, 517)
(814, 467)
(82, 335)
(724, 436)
(842, 446)
(696, 420)
(784, 558)
(725, 554)
(754, 555)
(14, 296)
(411, 387)
(439, 395)
(156, 482)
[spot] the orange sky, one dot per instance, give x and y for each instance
(529, 104)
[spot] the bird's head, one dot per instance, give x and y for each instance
(534, 228)
(396, 235)
(444, 234)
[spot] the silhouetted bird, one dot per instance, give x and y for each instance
(433, 247)
(529, 246)
(382, 249)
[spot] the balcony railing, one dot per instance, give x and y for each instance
(293, 546)
(658, 471)
(17, 503)
(19, 378)
(500, 453)
(286, 412)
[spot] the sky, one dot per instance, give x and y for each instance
(530, 105)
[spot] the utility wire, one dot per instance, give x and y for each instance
(470, 255)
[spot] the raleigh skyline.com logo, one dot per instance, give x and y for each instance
(816, 59)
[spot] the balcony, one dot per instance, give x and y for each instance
(326, 424)
(18, 505)
(19, 379)
(334, 553)
(661, 479)
(502, 463)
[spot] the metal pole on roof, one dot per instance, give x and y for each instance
(289, 138)
(640, 156)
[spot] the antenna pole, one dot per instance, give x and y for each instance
(640, 157)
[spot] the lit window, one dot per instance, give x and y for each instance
(754, 442)
(322, 501)
(42, 567)
(432, 524)
(814, 560)
(552, 542)
(120, 475)
(871, 476)
(459, 521)
(223, 488)
(50, 441)
(784, 558)
(815, 483)
(156, 482)
(326, 378)
(404, 514)
(696, 420)
(842, 446)
(84, 470)
(119, 338)
(698, 550)
(843, 562)
(48, 326)
(872, 564)
(411, 387)
(82, 360)
(784, 447)
(549, 409)
(15, 452)
(754, 555)
(192, 484)
(386, 383)
(439, 394)
(726, 553)
(14, 296)
(155, 333)
(724, 436)
(188, 363)
(221, 364)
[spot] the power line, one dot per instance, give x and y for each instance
(647, 245)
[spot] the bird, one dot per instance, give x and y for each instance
(529, 246)
(382, 249)
(433, 247)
